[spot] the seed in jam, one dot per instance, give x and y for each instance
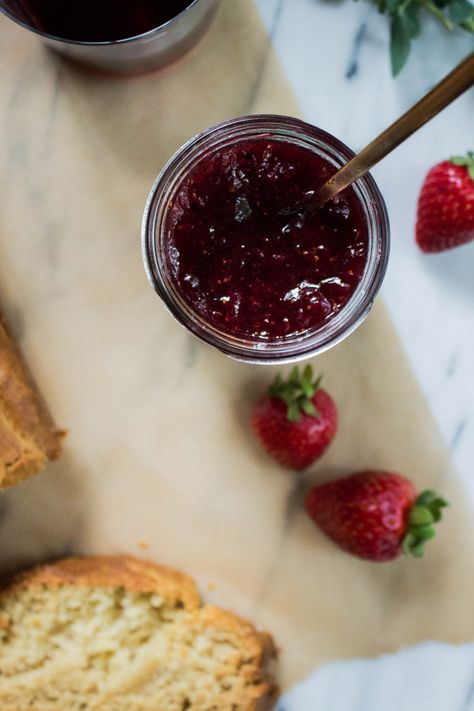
(245, 266)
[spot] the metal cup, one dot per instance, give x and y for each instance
(132, 54)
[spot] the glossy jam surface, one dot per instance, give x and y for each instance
(96, 20)
(245, 266)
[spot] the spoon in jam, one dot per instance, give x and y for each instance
(452, 86)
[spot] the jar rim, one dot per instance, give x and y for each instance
(288, 349)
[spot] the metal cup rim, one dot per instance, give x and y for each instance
(107, 43)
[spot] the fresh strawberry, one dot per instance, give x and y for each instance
(445, 216)
(296, 420)
(375, 514)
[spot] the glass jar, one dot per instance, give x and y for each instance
(275, 128)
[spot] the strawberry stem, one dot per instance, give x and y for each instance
(435, 10)
(426, 511)
(467, 161)
(297, 392)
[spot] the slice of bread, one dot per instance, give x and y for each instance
(28, 436)
(122, 634)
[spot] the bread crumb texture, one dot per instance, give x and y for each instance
(121, 634)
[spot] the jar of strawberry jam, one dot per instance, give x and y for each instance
(230, 249)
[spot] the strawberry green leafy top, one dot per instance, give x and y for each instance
(426, 511)
(297, 392)
(467, 161)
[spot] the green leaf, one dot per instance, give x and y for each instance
(467, 161)
(418, 549)
(431, 502)
(412, 20)
(435, 8)
(426, 498)
(425, 512)
(407, 543)
(392, 6)
(436, 509)
(293, 412)
(437, 513)
(399, 44)
(286, 398)
(297, 392)
(317, 383)
(308, 388)
(293, 392)
(425, 533)
(468, 25)
(460, 11)
(420, 516)
(308, 407)
(405, 23)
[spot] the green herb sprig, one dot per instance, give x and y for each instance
(406, 17)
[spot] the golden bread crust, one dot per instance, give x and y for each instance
(28, 436)
(260, 651)
(134, 574)
(18, 458)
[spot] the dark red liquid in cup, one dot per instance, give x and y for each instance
(95, 20)
(246, 268)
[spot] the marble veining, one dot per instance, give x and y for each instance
(260, 68)
(353, 62)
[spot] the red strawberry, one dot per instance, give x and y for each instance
(297, 420)
(375, 515)
(445, 216)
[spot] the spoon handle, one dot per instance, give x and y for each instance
(452, 86)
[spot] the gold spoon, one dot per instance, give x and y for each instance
(452, 86)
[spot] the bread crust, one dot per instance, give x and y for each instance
(144, 576)
(28, 435)
(102, 571)
(262, 652)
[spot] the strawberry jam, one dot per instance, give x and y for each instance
(240, 256)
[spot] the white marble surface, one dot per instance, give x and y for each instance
(336, 57)
(429, 677)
